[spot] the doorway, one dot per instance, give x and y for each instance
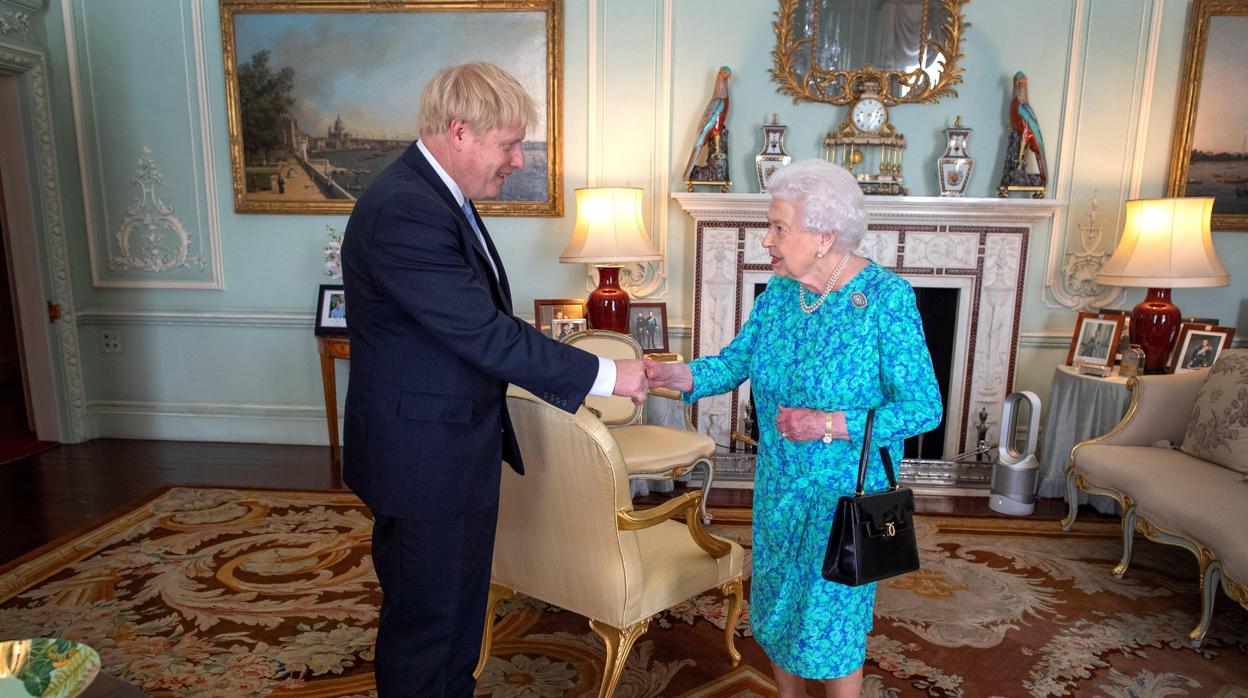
(17, 426)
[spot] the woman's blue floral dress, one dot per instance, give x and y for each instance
(846, 356)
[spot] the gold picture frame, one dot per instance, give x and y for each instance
(353, 71)
(1216, 174)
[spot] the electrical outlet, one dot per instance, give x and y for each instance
(110, 341)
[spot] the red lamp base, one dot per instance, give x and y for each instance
(607, 306)
(1155, 326)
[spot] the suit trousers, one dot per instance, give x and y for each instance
(435, 581)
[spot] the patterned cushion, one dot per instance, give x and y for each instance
(1218, 428)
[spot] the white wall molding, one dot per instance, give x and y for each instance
(198, 318)
(207, 237)
(31, 66)
(1071, 270)
(641, 279)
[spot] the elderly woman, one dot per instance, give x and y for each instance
(833, 335)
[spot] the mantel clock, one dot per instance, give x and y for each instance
(866, 143)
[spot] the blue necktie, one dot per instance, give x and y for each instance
(472, 220)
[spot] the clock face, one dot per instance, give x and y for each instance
(868, 115)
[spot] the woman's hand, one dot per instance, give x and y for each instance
(669, 375)
(802, 424)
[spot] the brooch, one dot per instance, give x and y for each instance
(859, 299)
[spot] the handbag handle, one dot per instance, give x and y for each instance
(865, 459)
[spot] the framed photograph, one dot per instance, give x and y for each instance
(331, 310)
(549, 311)
(1209, 152)
(561, 328)
(1096, 339)
(647, 323)
(323, 96)
(1199, 346)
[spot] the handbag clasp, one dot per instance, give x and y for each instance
(890, 530)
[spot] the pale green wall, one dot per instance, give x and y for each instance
(240, 363)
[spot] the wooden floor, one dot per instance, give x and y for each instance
(71, 488)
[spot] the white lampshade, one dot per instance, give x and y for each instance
(1166, 243)
(609, 228)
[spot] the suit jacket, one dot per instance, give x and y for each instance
(433, 346)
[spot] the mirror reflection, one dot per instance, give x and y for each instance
(821, 44)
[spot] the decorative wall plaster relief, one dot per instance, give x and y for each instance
(14, 23)
(102, 241)
(640, 279)
(1079, 272)
(1069, 277)
(151, 237)
(17, 60)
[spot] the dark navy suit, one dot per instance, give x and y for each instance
(433, 346)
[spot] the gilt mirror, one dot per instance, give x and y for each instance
(911, 47)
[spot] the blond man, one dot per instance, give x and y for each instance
(434, 343)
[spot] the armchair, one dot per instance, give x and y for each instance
(650, 451)
(568, 535)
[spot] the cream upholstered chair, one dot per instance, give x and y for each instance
(651, 452)
(568, 536)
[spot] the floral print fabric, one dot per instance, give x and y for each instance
(848, 356)
(1218, 428)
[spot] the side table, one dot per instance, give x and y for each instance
(332, 347)
(1080, 407)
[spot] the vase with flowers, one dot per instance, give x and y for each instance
(333, 254)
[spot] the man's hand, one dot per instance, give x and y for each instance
(669, 375)
(630, 380)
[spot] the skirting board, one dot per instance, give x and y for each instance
(273, 424)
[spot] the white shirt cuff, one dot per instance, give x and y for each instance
(604, 384)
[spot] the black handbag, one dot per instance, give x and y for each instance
(872, 534)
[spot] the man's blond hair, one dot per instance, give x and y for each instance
(481, 94)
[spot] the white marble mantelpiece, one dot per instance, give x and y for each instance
(978, 246)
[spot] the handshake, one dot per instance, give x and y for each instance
(635, 378)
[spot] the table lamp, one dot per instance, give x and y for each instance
(1166, 243)
(608, 233)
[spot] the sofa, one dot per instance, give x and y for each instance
(1177, 464)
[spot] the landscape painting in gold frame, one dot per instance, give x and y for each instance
(321, 96)
(1209, 155)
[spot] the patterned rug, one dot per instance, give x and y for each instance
(217, 592)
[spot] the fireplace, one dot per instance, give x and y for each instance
(966, 259)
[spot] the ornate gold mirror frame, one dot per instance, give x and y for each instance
(820, 84)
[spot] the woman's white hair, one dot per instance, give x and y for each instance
(829, 197)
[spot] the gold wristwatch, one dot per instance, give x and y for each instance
(827, 427)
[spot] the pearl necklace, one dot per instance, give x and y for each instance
(836, 276)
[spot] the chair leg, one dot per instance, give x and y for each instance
(1209, 577)
(706, 488)
(735, 593)
(497, 593)
(1128, 540)
(1072, 500)
(619, 642)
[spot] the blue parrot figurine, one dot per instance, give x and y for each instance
(1023, 120)
(709, 144)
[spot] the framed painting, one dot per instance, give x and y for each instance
(321, 96)
(1095, 340)
(1209, 155)
(1199, 346)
